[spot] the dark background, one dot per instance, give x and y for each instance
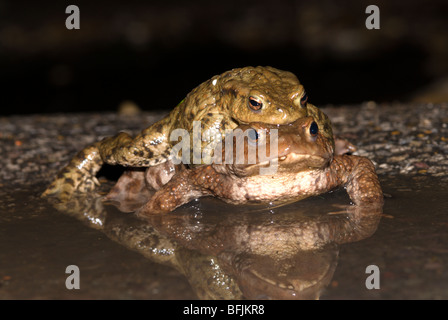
(155, 52)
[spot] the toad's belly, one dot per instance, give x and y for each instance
(279, 187)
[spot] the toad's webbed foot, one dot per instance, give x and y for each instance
(175, 193)
(185, 186)
(78, 176)
(130, 192)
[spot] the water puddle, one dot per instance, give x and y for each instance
(316, 248)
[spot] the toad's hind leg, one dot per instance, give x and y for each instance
(78, 175)
(147, 149)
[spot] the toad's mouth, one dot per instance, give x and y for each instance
(292, 162)
(295, 158)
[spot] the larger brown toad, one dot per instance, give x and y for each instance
(238, 96)
(302, 164)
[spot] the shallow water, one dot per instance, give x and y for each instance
(248, 252)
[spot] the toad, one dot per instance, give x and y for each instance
(304, 164)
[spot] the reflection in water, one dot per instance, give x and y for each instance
(281, 253)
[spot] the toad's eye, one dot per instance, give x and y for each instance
(304, 100)
(314, 129)
(252, 136)
(255, 103)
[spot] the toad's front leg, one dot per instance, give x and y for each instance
(358, 175)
